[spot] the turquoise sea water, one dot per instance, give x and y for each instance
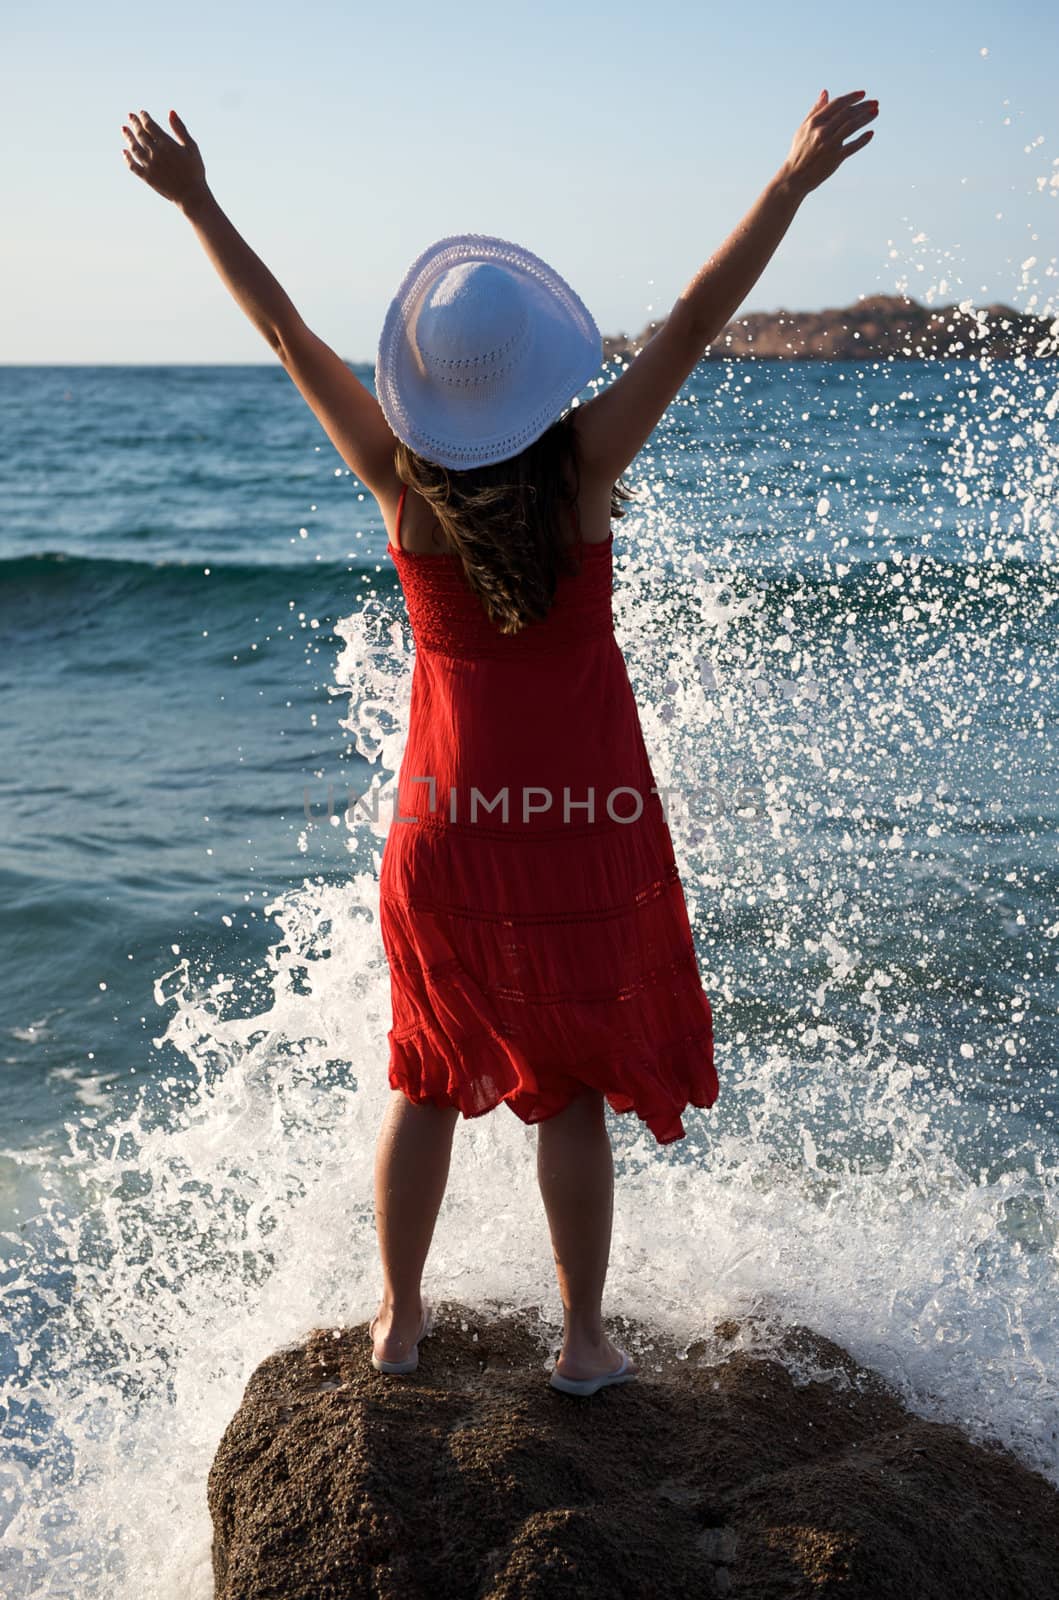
(836, 590)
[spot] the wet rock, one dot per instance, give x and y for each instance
(718, 1472)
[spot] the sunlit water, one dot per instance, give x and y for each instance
(836, 592)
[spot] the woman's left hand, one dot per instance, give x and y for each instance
(172, 167)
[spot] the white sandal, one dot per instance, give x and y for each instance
(411, 1361)
(590, 1385)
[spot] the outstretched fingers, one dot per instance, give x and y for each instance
(853, 115)
(858, 144)
(837, 108)
(819, 144)
(179, 128)
(172, 165)
(151, 131)
(142, 143)
(137, 141)
(855, 120)
(133, 165)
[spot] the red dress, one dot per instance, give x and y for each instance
(547, 951)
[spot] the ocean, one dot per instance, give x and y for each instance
(836, 592)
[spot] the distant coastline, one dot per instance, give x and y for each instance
(890, 327)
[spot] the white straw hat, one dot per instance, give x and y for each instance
(483, 347)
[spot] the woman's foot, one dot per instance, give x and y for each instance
(393, 1335)
(583, 1358)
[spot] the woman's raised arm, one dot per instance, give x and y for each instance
(614, 426)
(349, 413)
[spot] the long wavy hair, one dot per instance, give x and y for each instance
(504, 520)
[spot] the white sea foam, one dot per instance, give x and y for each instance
(194, 1236)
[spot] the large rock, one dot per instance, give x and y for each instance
(878, 326)
(712, 1474)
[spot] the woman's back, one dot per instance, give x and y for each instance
(421, 533)
(548, 709)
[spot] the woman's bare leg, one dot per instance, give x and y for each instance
(411, 1170)
(575, 1170)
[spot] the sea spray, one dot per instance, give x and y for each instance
(836, 595)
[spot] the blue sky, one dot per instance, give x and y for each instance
(621, 143)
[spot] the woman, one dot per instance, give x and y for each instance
(530, 907)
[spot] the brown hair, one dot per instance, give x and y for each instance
(503, 520)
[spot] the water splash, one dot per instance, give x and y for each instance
(853, 718)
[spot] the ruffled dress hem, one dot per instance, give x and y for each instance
(658, 1089)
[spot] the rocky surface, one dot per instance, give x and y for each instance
(878, 326)
(714, 1473)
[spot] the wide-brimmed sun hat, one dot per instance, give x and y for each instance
(483, 347)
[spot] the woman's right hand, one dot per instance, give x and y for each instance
(817, 150)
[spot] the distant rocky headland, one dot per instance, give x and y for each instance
(879, 326)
